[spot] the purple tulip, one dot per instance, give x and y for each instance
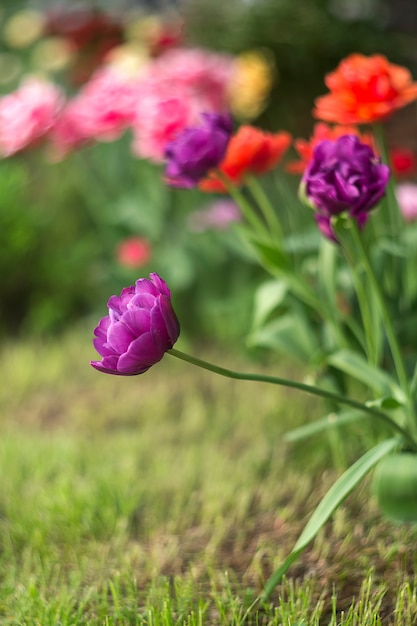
(140, 327)
(197, 149)
(344, 176)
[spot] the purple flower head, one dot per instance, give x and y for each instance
(344, 176)
(140, 327)
(197, 149)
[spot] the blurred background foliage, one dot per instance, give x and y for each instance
(61, 223)
(307, 39)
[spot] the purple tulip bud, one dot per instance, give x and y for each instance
(140, 327)
(197, 149)
(344, 176)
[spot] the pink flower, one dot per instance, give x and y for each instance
(218, 215)
(67, 134)
(407, 201)
(162, 114)
(133, 252)
(101, 111)
(177, 87)
(28, 114)
(204, 75)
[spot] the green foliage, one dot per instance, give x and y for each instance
(174, 509)
(45, 263)
(64, 221)
(331, 501)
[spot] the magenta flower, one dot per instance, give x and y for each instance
(344, 176)
(140, 327)
(197, 149)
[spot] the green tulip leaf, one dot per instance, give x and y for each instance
(267, 298)
(387, 402)
(331, 501)
(290, 333)
(332, 420)
(271, 257)
(356, 366)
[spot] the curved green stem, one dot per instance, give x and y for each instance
(284, 382)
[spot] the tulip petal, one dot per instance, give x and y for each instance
(141, 354)
(119, 337)
(137, 321)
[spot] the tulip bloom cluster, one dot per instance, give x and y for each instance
(342, 176)
(155, 102)
(250, 152)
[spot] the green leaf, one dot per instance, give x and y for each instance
(375, 378)
(393, 247)
(413, 385)
(271, 257)
(331, 501)
(331, 420)
(290, 334)
(387, 402)
(327, 264)
(267, 298)
(302, 243)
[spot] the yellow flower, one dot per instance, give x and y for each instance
(23, 28)
(251, 84)
(129, 58)
(53, 54)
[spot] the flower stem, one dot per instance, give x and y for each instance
(264, 204)
(385, 316)
(364, 304)
(241, 201)
(391, 202)
(284, 382)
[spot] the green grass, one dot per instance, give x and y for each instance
(168, 499)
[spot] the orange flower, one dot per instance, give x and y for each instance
(250, 151)
(321, 132)
(365, 90)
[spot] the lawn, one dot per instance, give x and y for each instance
(169, 498)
